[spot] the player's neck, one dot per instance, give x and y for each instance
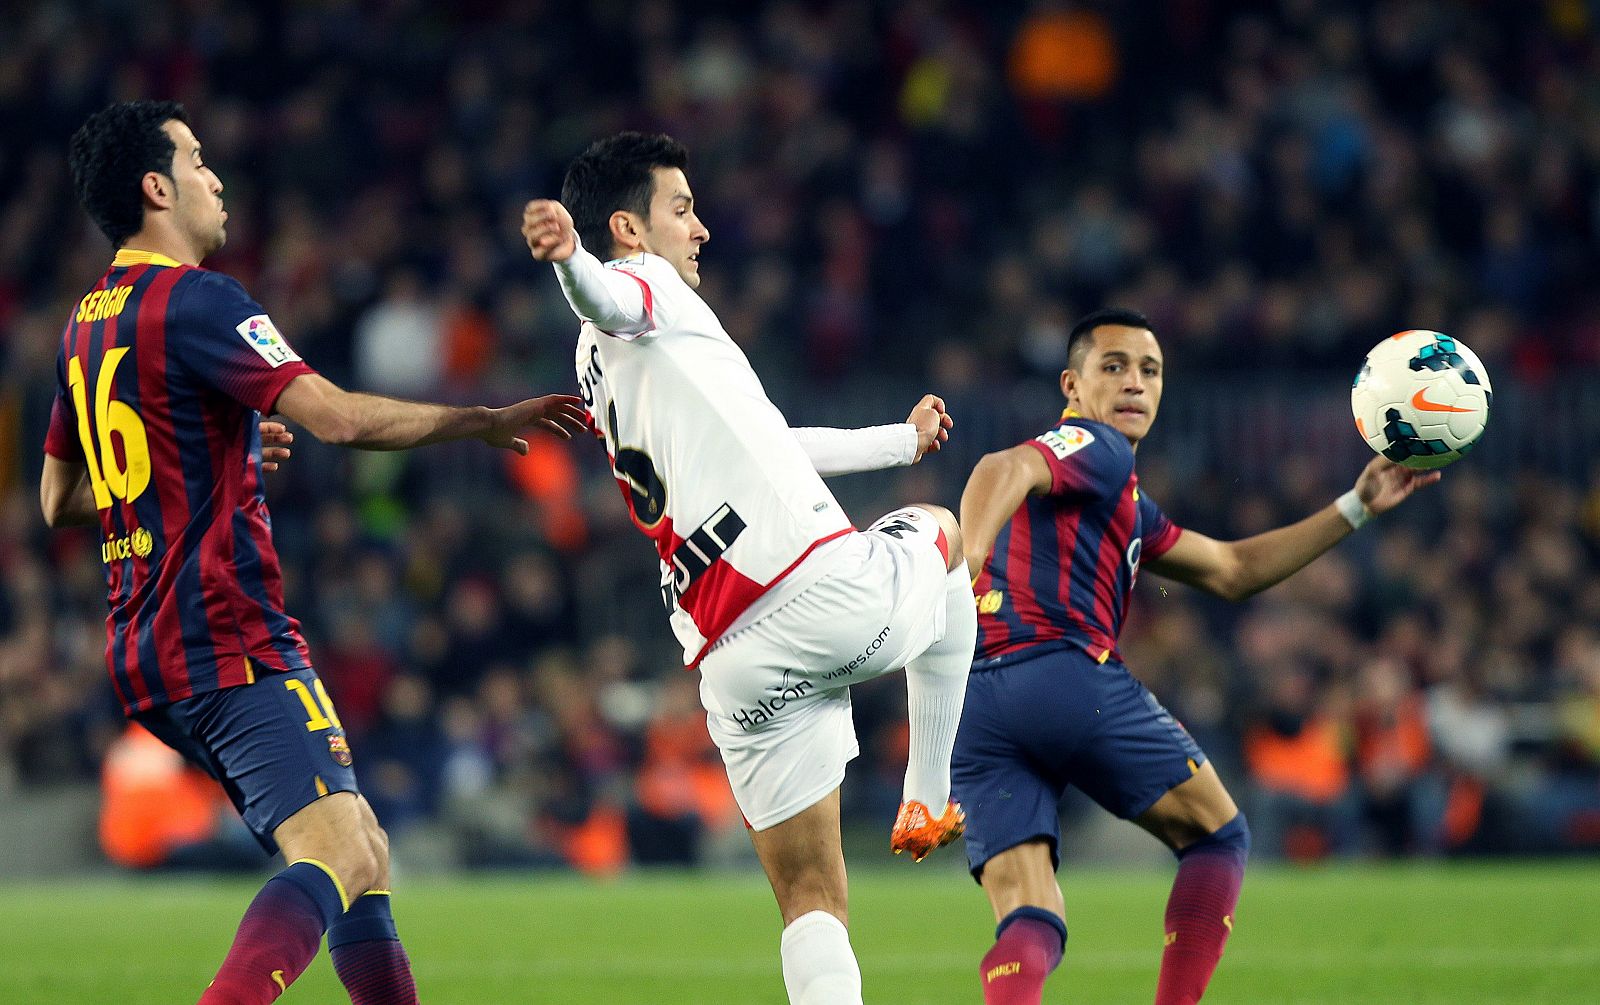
(165, 241)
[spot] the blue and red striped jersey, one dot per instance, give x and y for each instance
(1063, 566)
(163, 371)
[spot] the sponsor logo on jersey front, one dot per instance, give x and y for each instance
(260, 334)
(1066, 440)
(138, 544)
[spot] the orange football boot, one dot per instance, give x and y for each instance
(916, 831)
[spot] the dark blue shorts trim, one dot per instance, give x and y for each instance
(272, 754)
(1032, 727)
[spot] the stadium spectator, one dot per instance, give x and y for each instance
(1295, 753)
(158, 811)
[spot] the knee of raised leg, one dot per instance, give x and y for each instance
(952, 533)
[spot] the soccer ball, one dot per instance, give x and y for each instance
(1421, 399)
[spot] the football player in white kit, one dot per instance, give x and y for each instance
(778, 601)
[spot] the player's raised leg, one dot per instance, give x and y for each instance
(804, 861)
(1200, 823)
(936, 687)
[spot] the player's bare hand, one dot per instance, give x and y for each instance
(1383, 485)
(933, 425)
(547, 227)
(275, 440)
(559, 415)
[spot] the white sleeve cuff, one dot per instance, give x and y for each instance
(847, 451)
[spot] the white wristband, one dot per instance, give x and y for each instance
(1353, 510)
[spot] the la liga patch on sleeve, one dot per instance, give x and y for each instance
(260, 334)
(1067, 440)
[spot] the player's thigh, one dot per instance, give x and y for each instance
(276, 745)
(804, 861)
(882, 606)
(784, 753)
(1138, 751)
(1190, 811)
(1010, 794)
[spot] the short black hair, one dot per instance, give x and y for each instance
(616, 173)
(112, 152)
(1082, 335)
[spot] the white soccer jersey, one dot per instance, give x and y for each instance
(709, 467)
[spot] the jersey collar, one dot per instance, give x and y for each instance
(1071, 413)
(130, 256)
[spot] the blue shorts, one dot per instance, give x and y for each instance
(1035, 725)
(275, 745)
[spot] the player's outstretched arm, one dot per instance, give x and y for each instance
(1235, 570)
(873, 448)
(615, 302)
(372, 422)
(997, 486)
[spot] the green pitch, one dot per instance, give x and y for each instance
(1519, 933)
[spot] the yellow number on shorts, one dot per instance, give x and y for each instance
(318, 708)
(106, 477)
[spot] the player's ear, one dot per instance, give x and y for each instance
(625, 230)
(1069, 383)
(158, 189)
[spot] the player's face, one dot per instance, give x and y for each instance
(673, 231)
(198, 206)
(1120, 381)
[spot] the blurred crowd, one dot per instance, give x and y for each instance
(901, 196)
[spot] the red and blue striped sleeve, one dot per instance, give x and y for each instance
(1085, 462)
(227, 341)
(60, 438)
(1157, 529)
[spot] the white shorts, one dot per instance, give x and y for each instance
(777, 692)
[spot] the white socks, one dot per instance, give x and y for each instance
(936, 688)
(819, 967)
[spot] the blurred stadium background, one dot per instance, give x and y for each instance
(902, 197)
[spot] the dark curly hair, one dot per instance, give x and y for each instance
(616, 173)
(112, 152)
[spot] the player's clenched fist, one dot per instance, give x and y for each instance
(933, 424)
(547, 227)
